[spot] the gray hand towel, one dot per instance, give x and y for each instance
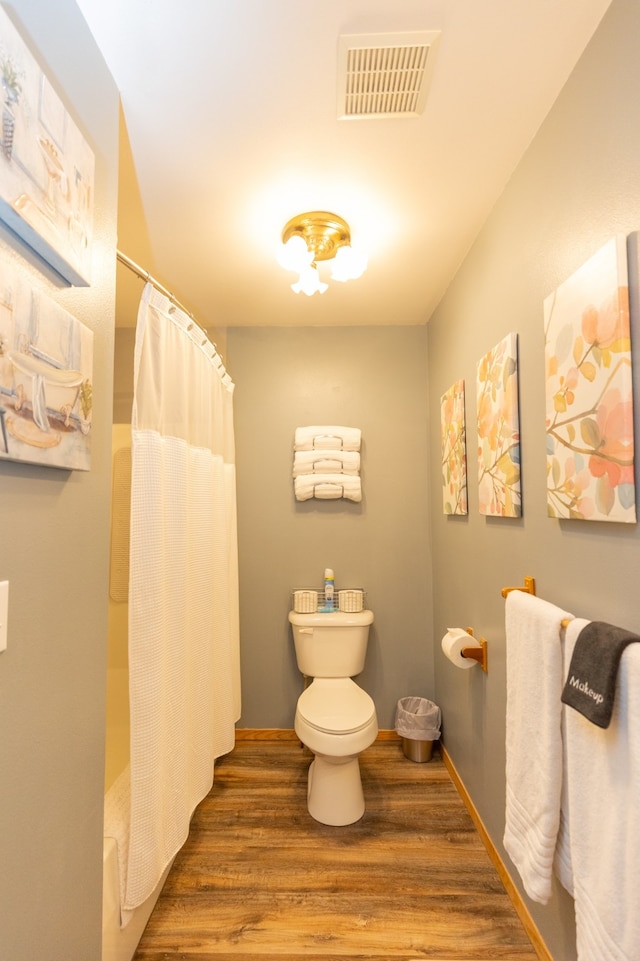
(590, 687)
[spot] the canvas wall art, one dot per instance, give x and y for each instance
(589, 403)
(46, 165)
(46, 378)
(454, 451)
(499, 431)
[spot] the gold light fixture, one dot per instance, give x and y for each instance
(315, 237)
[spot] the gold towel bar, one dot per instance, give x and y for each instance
(529, 587)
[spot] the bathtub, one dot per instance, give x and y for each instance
(119, 944)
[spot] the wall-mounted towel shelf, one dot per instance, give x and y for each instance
(326, 463)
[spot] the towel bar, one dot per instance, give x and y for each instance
(529, 587)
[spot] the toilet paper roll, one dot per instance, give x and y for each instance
(452, 644)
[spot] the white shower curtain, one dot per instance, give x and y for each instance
(183, 585)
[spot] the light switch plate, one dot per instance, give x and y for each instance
(4, 613)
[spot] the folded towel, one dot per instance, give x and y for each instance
(591, 680)
(327, 487)
(336, 462)
(327, 438)
(601, 816)
(533, 742)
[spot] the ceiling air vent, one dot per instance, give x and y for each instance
(384, 75)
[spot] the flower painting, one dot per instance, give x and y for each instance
(499, 431)
(454, 454)
(589, 410)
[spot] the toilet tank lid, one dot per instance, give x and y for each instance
(334, 619)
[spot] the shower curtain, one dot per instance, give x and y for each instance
(183, 585)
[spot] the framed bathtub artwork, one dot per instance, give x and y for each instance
(499, 486)
(454, 451)
(46, 378)
(46, 165)
(589, 403)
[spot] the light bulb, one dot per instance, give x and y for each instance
(309, 282)
(348, 264)
(294, 255)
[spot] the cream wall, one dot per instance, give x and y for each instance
(576, 187)
(54, 537)
(374, 379)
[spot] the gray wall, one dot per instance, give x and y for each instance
(374, 379)
(576, 188)
(54, 552)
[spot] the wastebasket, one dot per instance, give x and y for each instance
(418, 724)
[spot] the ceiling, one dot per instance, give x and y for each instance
(230, 127)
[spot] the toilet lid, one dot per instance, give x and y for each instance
(336, 705)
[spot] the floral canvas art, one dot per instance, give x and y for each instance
(589, 408)
(499, 431)
(454, 454)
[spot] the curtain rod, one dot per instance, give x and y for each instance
(146, 276)
(148, 279)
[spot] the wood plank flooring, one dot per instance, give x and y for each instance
(260, 880)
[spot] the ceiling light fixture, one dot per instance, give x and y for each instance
(314, 237)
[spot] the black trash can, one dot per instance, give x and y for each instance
(418, 724)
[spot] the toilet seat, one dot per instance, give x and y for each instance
(336, 705)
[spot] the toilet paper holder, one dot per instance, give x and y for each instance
(478, 654)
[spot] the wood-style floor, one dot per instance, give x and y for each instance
(260, 880)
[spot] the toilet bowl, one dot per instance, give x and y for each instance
(336, 720)
(334, 717)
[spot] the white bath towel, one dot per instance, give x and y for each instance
(533, 740)
(335, 462)
(597, 858)
(331, 437)
(327, 487)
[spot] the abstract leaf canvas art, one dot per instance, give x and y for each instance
(499, 431)
(454, 455)
(589, 406)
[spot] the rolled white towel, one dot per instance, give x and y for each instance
(317, 437)
(327, 487)
(335, 462)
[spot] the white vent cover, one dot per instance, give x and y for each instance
(384, 75)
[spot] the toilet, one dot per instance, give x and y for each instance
(335, 718)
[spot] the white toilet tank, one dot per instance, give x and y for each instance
(331, 645)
